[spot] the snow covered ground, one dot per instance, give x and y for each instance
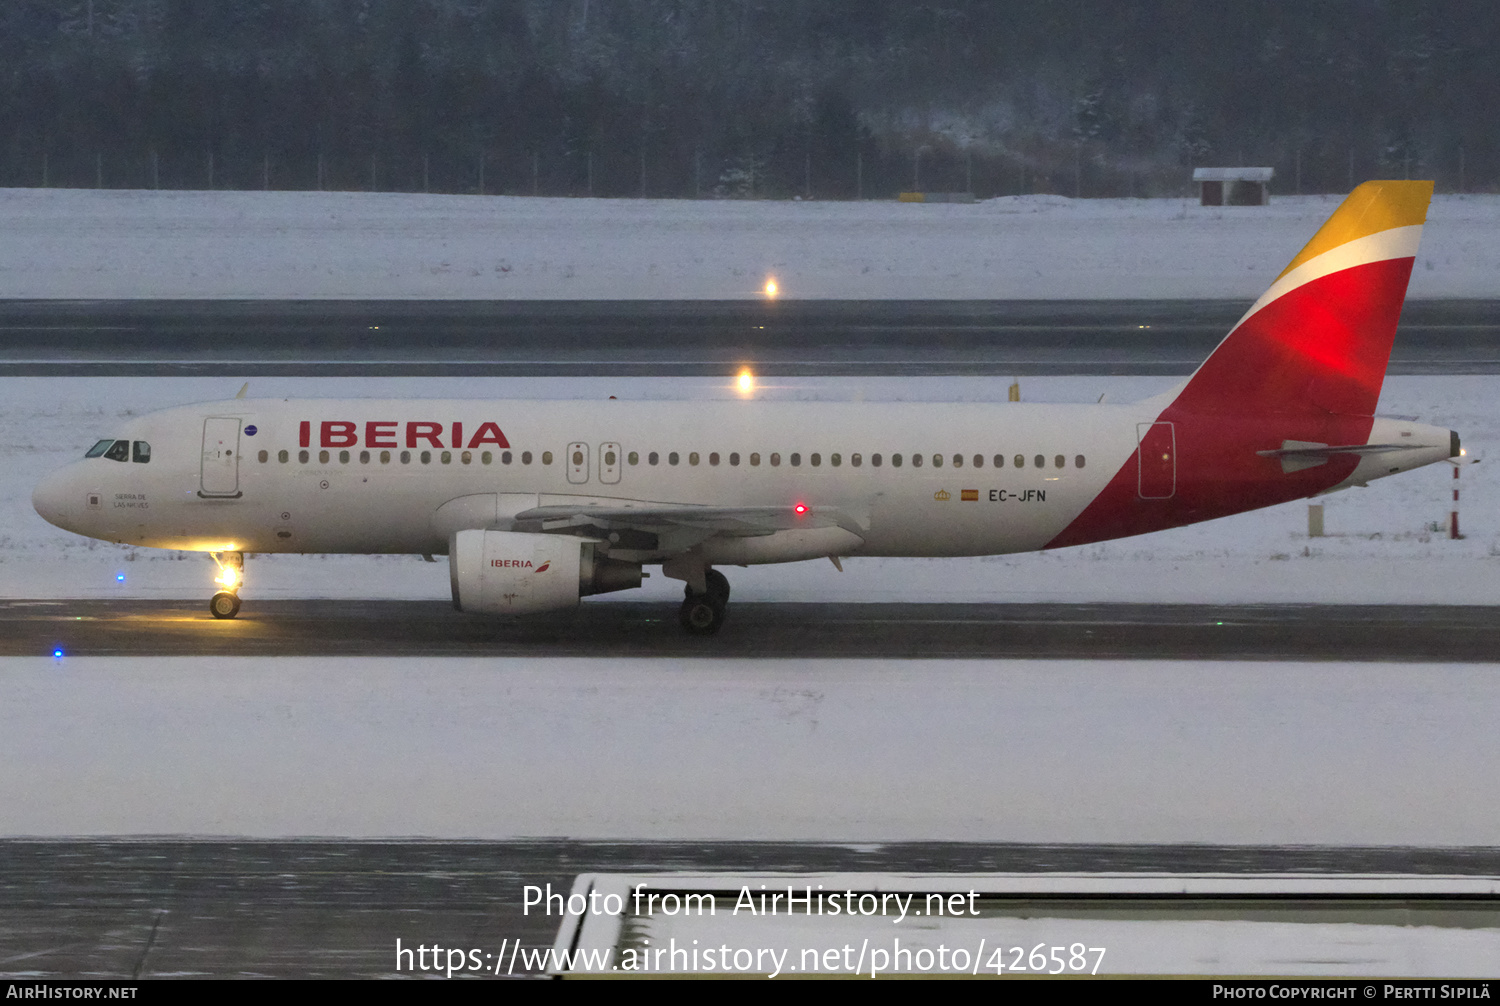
(822, 750)
(1380, 548)
(92, 244)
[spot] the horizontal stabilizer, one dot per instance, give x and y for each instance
(1297, 455)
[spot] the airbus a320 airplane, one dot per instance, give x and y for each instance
(537, 503)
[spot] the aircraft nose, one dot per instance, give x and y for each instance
(53, 499)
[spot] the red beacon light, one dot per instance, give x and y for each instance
(800, 509)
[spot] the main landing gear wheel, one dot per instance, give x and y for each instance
(703, 614)
(224, 604)
(718, 585)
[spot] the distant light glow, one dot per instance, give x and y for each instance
(57, 653)
(746, 382)
(800, 508)
(119, 577)
(771, 288)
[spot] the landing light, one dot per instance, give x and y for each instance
(771, 287)
(746, 382)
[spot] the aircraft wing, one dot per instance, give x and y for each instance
(659, 518)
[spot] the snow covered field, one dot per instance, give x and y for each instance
(92, 244)
(1380, 546)
(824, 750)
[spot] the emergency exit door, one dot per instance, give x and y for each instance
(578, 463)
(609, 463)
(219, 476)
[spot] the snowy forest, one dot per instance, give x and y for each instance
(745, 98)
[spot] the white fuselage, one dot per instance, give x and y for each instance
(402, 475)
(383, 492)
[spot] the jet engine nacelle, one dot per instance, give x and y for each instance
(516, 573)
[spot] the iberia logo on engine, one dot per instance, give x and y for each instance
(520, 564)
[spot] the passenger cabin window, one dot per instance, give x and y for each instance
(140, 452)
(99, 448)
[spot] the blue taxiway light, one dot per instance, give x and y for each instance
(120, 577)
(57, 653)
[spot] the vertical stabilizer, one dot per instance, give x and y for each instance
(1320, 338)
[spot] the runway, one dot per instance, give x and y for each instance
(672, 338)
(178, 908)
(806, 631)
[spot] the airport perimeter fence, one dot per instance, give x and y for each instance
(1074, 170)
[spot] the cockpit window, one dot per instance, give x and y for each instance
(119, 452)
(140, 452)
(100, 448)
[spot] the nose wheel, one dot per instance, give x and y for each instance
(226, 603)
(703, 614)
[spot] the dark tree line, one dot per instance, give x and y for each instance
(829, 98)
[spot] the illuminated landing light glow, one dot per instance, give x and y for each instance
(746, 382)
(771, 288)
(228, 577)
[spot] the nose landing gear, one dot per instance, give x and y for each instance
(226, 603)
